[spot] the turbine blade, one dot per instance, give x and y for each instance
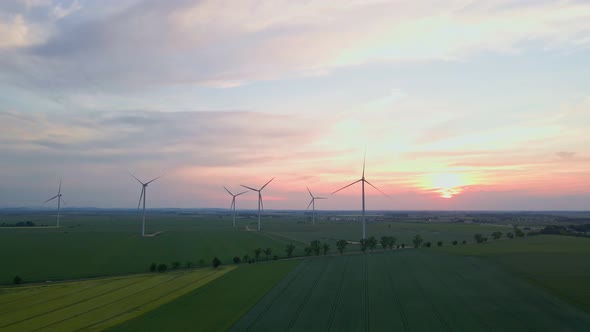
(136, 178)
(309, 191)
(62, 200)
(59, 190)
(311, 202)
(364, 159)
(243, 192)
(153, 180)
(249, 187)
(233, 203)
(267, 183)
(52, 198)
(229, 192)
(355, 182)
(384, 194)
(140, 197)
(320, 197)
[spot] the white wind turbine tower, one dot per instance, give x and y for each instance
(312, 204)
(363, 181)
(142, 196)
(233, 203)
(260, 205)
(59, 200)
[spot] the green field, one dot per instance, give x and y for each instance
(95, 304)
(91, 246)
(216, 306)
(538, 283)
(408, 290)
(108, 244)
(559, 264)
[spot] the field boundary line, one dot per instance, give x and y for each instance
(117, 300)
(61, 296)
(434, 308)
(67, 306)
(337, 297)
(367, 303)
(446, 286)
(399, 303)
(153, 300)
(284, 288)
(307, 296)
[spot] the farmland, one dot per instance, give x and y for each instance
(106, 244)
(94, 304)
(409, 290)
(533, 283)
(559, 264)
(216, 306)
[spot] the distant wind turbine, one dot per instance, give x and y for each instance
(363, 181)
(142, 196)
(59, 200)
(233, 203)
(312, 204)
(260, 205)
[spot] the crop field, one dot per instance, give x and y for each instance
(216, 306)
(94, 304)
(106, 244)
(559, 264)
(408, 290)
(93, 246)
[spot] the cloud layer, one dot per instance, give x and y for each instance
(488, 101)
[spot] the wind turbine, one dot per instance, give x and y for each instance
(363, 181)
(59, 200)
(260, 205)
(312, 204)
(233, 203)
(143, 193)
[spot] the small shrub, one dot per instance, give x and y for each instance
(237, 260)
(153, 267)
(175, 265)
(215, 262)
(427, 244)
(275, 257)
(162, 268)
(464, 242)
(455, 242)
(439, 243)
(403, 245)
(17, 280)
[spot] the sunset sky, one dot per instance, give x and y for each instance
(470, 105)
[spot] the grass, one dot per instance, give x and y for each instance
(559, 264)
(409, 290)
(95, 304)
(216, 306)
(106, 244)
(91, 246)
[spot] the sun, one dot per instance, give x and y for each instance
(447, 185)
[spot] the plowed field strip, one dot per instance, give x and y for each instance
(338, 293)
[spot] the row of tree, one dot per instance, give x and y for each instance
(154, 267)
